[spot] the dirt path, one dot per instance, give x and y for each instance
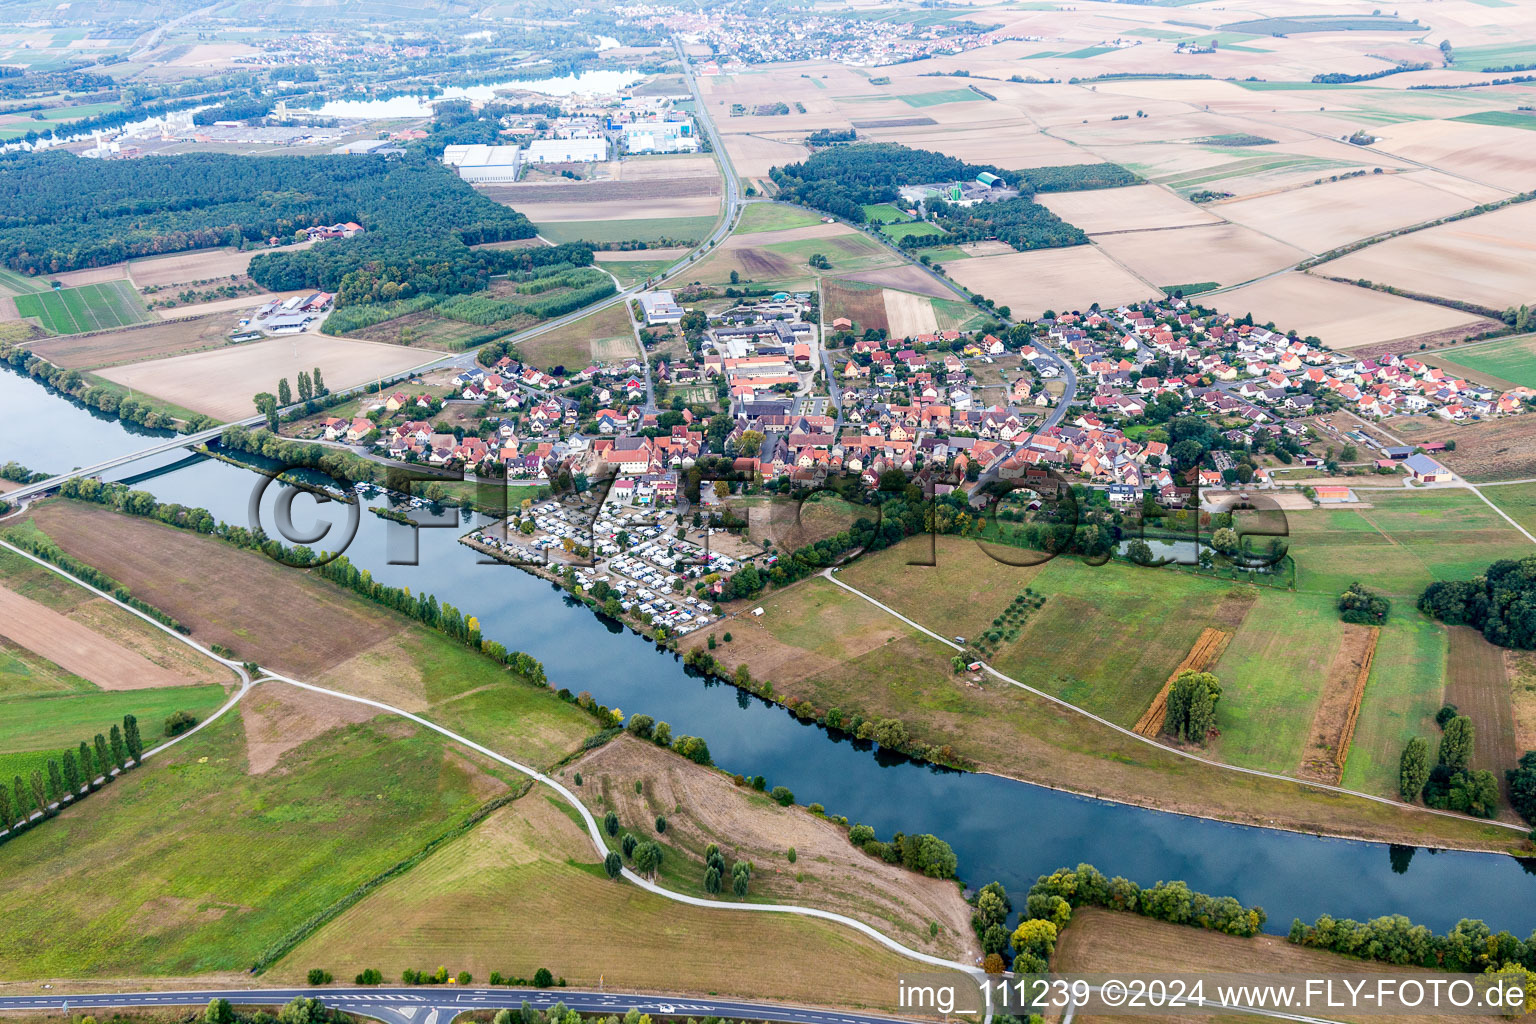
(77, 649)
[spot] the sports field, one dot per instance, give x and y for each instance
(91, 307)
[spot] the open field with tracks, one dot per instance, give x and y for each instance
(1501, 449)
(1477, 682)
(574, 346)
(1031, 282)
(1343, 316)
(220, 383)
(138, 344)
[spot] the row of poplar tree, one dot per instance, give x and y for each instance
(69, 777)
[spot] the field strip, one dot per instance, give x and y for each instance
(1206, 650)
(828, 574)
(592, 827)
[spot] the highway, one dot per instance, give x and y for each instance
(439, 1005)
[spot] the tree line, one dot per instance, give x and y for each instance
(1471, 946)
(842, 180)
(73, 383)
(1500, 603)
(69, 778)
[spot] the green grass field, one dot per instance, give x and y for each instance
(773, 217)
(24, 674)
(1272, 675)
(191, 864)
(934, 99)
(920, 228)
(57, 720)
(1108, 636)
(1406, 541)
(677, 229)
(1478, 57)
(12, 283)
(945, 254)
(1511, 359)
(1405, 690)
(633, 271)
(884, 213)
(91, 307)
(1518, 502)
(1501, 119)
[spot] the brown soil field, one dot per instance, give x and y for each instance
(1206, 650)
(184, 268)
(909, 315)
(905, 278)
(753, 156)
(1486, 153)
(76, 649)
(91, 275)
(1489, 260)
(1127, 944)
(221, 383)
(1125, 209)
(1520, 666)
(619, 209)
(1011, 145)
(1343, 316)
(667, 168)
(864, 306)
(1225, 253)
(265, 612)
(529, 879)
(1324, 216)
(1478, 685)
(138, 344)
(702, 806)
(642, 191)
(278, 717)
(1333, 724)
(1031, 282)
(1501, 449)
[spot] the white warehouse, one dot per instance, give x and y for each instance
(483, 163)
(660, 137)
(588, 150)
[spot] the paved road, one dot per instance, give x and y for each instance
(434, 1005)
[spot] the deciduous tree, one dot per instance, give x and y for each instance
(1413, 768)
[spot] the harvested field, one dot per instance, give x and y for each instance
(220, 383)
(702, 807)
(754, 156)
(1333, 724)
(301, 626)
(667, 168)
(987, 249)
(1342, 315)
(1489, 260)
(905, 278)
(279, 717)
(864, 306)
(1226, 253)
(1501, 449)
(705, 205)
(668, 230)
(1478, 685)
(426, 330)
(1135, 208)
(91, 275)
(137, 344)
(909, 315)
(644, 191)
(1494, 155)
(1321, 217)
(639, 255)
(78, 650)
(184, 268)
(1031, 282)
(1207, 649)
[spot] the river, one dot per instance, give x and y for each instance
(1000, 829)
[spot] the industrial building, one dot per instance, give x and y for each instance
(660, 137)
(587, 150)
(480, 163)
(660, 308)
